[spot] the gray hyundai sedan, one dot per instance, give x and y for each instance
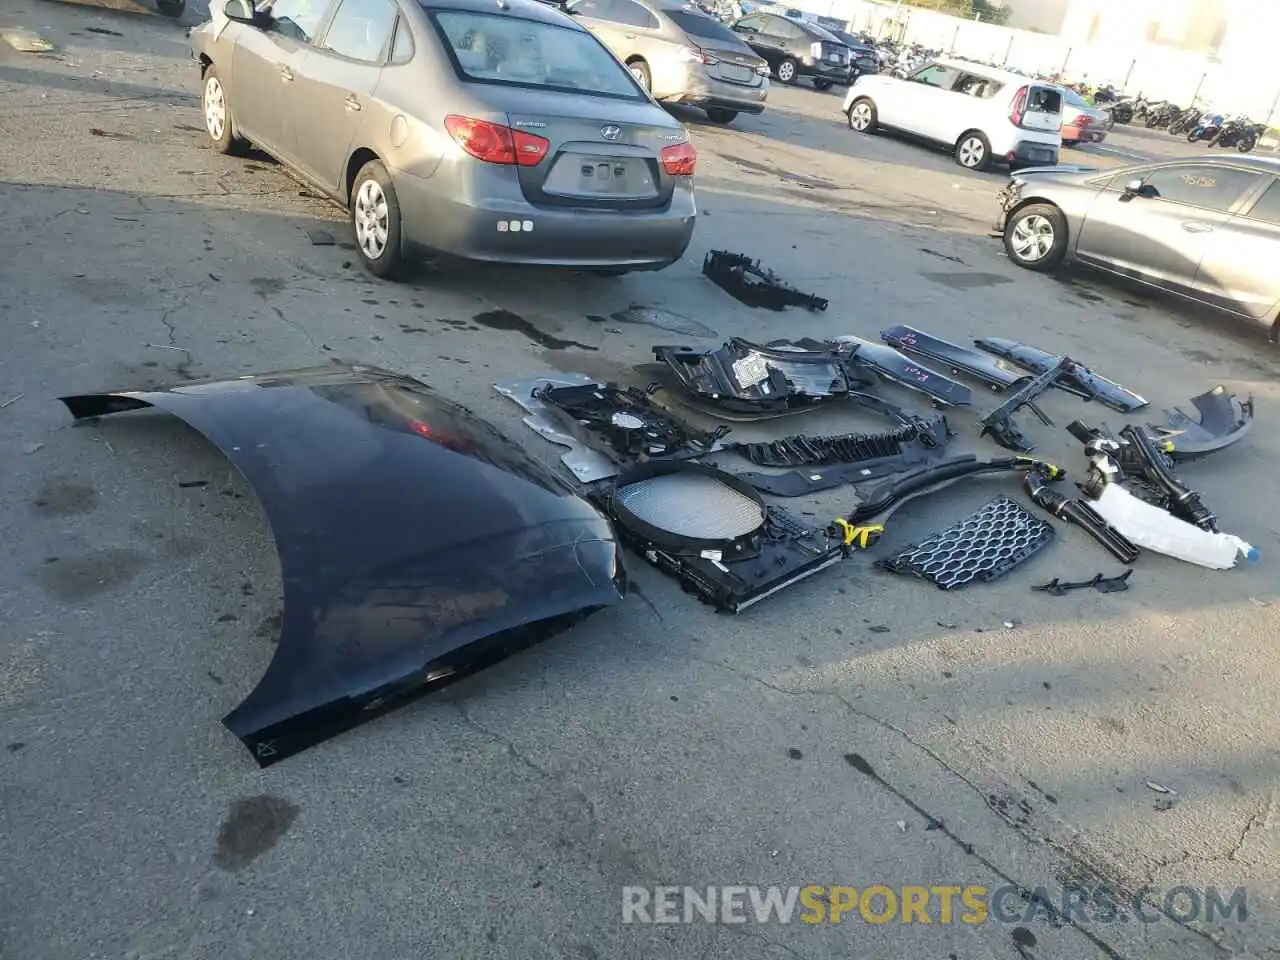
(492, 130)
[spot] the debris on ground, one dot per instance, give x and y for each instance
(26, 41)
(750, 284)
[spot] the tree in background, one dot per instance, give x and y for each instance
(985, 10)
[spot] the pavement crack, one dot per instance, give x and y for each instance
(290, 322)
(183, 369)
(529, 763)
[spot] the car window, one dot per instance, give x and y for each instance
(697, 25)
(596, 9)
(973, 85)
(936, 75)
(1267, 209)
(361, 29)
(298, 19)
(754, 24)
(402, 47)
(632, 14)
(1044, 100)
(492, 48)
(786, 30)
(1206, 187)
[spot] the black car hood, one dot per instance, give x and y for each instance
(416, 542)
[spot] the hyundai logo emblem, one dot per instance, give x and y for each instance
(611, 132)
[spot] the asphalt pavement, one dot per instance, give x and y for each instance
(858, 729)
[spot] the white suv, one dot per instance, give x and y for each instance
(983, 114)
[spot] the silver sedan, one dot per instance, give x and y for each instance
(494, 130)
(1207, 230)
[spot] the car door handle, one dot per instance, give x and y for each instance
(1197, 226)
(352, 103)
(286, 74)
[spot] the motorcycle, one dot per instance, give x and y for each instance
(1240, 133)
(1208, 129)
(1186, 122)
(1124, 111)
(1160, 115)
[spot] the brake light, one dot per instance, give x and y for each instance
(697, 55)
(1084, 120)
(495, 143)
(679, 159)
(1019, 108)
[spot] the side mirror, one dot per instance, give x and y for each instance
(241, 11)
(1137, 187)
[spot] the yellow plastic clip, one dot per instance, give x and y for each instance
(1050, 470)
(860, 537)
(1167, 446)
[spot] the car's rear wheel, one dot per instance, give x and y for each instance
(218, 122)
(787, 71)
(721, 115)
(862, 116)
(1036, 237)
(375, 219)
(822, 84)
(973, 151)
(640, 70)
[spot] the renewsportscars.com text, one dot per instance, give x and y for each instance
(936, 903)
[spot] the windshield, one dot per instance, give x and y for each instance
(490, 48)
(696, 25)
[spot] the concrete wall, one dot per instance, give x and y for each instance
(1237, 80)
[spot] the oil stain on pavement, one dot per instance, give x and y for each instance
(56, 498)
(510, 322)
(661, 319)
(73, 579)
(967, 281)
(254, 826)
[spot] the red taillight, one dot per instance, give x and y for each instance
(1018, 110)
(495, 143)
(1084, 121)
(679, 159)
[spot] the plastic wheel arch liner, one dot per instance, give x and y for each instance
(416, 543)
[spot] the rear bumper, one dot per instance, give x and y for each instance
(1033, 152)
(703, 91)
(484, 230)
(1089, 134)
(821, 70)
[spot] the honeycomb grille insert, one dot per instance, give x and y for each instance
(982, 547)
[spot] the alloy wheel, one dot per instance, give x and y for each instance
(371, 219)
(215, 108)
(786, 72)
(1032, 238)
(860, 116)
(972, 153)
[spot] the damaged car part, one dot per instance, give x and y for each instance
(997, 374)
(586, 464)
(1077, 378)
(355, 467)
(743, 376)
(881, 500)
(750, 284)
(999, 424)
(1036, 483)
(1224, 420)
(983, 547)
(1136, 455)
(623, 424)
(799, 450)
(834, 461)
(896, 367)
(1059, 588)
(713, 534)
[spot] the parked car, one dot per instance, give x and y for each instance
(1081, 122)
(796, 48)
(480, 129)
(1207, 230)
(679, 54)
(865, 57)
(981, 113)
